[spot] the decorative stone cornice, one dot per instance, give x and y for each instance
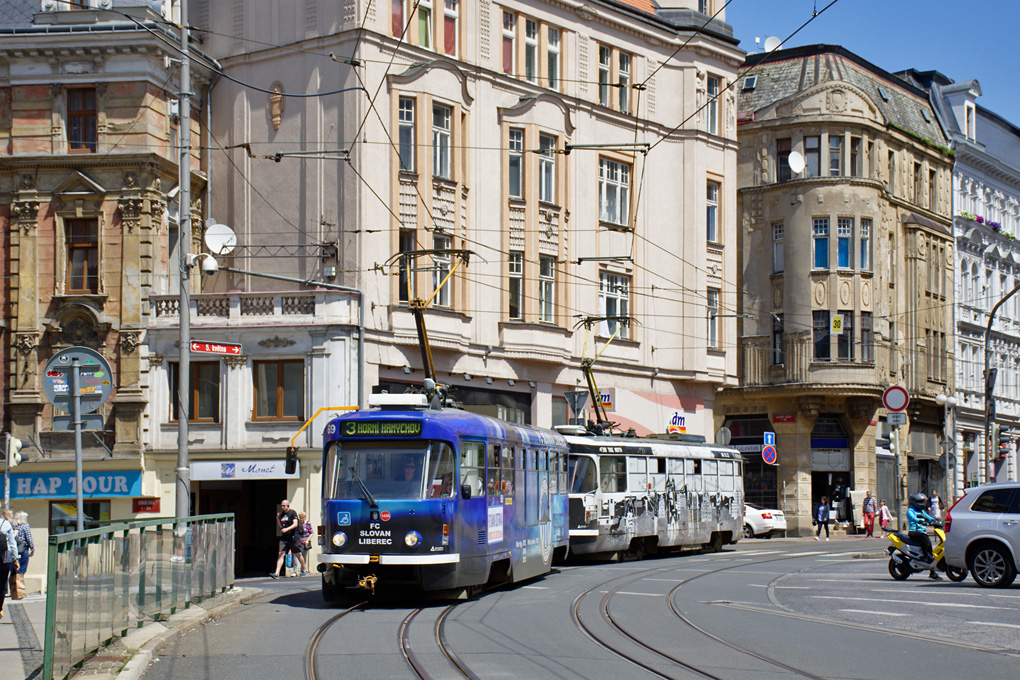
(131, 211)
(276, 342)
(26, 214)
(129, 341)
(236, 361)
(155, 361)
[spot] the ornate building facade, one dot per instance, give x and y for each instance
(844, 194)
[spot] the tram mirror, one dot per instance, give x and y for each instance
(465, 491)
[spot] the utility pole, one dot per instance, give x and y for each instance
(990, 382)
(183, 476)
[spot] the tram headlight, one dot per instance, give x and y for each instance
(412, 539)
(339, 539)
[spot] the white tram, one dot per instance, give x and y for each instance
(637, 496)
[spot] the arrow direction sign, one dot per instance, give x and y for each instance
(215, 348)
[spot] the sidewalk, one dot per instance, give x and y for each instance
(24, 623)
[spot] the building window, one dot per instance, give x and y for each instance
(279, 389)
(812, 156)
(855, 156)
(614, 300)
(553, 70)
(820, 234)
(546, 289)
(845, 340)
(713, 105)
(516, 168)
(547, 169)
(918, 195)
(712, 213)
(605, 64)
(508, 42)
(624, 77)
(203, 388)
(891, 169)
(405, 245)
(81, 120)
(704, 6)
(777, 249)
(712, 311)
(441, 141)
(865, 244)
(614, 191)
(531, 50)
(515, 289)
(968, 125)
(425, 23)
(844, 242)
(777, 339)
(933, 186)
(867, 339)
(440, 270)
(783, 171)
(82, 256)
(835, 156)
(820, 324)
(397, 18)
(451, 11)
(406, 134)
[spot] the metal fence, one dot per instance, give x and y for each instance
(104, 582)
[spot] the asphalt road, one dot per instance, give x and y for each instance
(762, 610)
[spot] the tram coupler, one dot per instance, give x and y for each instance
(368, 582)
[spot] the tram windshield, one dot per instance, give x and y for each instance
(389, 470)
(582, 473)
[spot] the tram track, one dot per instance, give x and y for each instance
(311, 650)
(621, 630)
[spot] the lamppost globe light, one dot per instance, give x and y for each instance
(941, 399)
(951, 402)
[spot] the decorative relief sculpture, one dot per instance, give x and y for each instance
(276, 105)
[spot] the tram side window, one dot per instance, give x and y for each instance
(726, 475)
(508, 470)
(531, 486)
(472, 467)
(554, 473)
(692, 468)
(441, 472)
(563, 473)
(614, 473)
(582, 474)
(676, 471)
(494, 484)
(519, 486)
(636, 479)
(710, 474)
(543, 472)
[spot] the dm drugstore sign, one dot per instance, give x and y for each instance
(105, 484)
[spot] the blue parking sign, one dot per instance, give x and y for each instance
(343, 519)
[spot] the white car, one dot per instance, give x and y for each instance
(762, 522)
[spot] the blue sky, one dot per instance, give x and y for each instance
(962, 39)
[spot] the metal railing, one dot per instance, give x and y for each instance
(102, 583)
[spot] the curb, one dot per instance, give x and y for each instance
(139, 663)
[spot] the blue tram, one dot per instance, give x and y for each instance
(438, 498)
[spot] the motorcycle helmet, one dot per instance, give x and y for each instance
(918, 501)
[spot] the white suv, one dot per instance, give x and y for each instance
(983, 533)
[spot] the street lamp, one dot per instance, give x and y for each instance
(949, 438)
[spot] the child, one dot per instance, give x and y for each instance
(884, 517)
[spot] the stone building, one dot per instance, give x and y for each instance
(88, 172)
(986, 224)
(846, 255)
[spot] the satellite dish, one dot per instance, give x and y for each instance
(796, 161)
(219, 238)
(772, 43)
(723, 436)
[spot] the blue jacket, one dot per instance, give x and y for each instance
(823, 513)
(917, 520)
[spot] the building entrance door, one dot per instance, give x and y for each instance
(254, 504)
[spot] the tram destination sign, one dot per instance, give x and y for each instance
(381, 428)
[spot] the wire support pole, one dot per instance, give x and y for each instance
(182, 495)
(989, 383)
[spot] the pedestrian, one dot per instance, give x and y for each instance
(935, 505)
(305, 537)
(26, 549)
(870, 508)
(822, 518)
(8, 553)
(884, 517)
(287, 524)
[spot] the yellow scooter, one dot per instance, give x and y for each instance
(906, 557)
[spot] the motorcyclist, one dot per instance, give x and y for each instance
(918, 521)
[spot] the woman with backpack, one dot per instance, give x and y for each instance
(26, 549)
(8, 552)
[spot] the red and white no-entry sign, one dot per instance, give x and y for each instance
(895, 398)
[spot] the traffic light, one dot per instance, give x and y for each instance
(993, 446)
(14, 447)
(290, 465)
(1005, 437)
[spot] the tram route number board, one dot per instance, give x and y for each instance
(768, 454)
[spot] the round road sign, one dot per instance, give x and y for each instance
(768, 454)
(95, 379)
(895, 398)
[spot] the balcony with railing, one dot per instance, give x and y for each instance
(242, 309)
(763, 365)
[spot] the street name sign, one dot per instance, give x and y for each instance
(216, 348)
(896, 419)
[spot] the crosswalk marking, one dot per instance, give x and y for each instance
(869, 611)
(926, 604)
